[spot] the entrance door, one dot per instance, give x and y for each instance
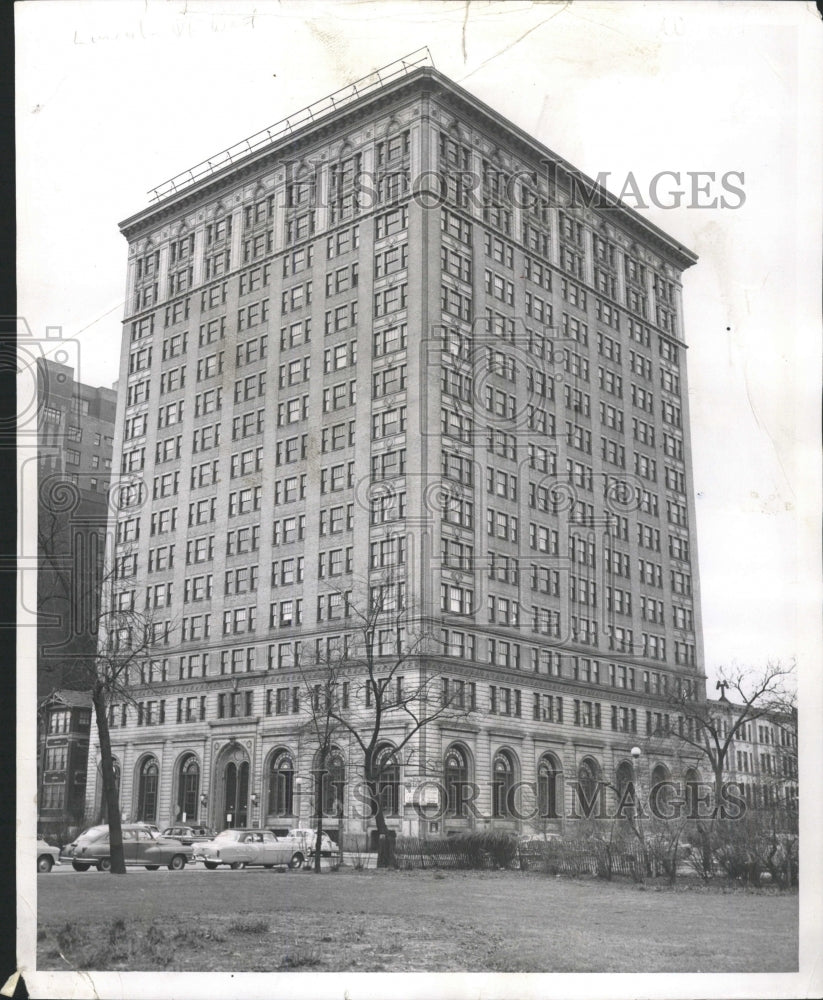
(236, 800)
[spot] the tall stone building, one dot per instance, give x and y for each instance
(402, 336)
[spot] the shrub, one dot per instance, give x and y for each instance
(745, 851)
(300, 957)
(249, 925)
(472, 850)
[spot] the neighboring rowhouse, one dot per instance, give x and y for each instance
(763, 761)
(390, 339)
(64, 721)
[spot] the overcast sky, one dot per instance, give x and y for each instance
(114, 98)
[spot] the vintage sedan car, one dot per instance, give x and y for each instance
(189, 834)
(47, 856)
(308, 839)
(141, 846)
(241, 848)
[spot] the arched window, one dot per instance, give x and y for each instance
(456, 778)
(237, 793)
(281, 784)
(660, 773)
(624, 779)
(332, 782)
(548, 787)
(188, 788)
(661, 793)
(503, 783)
(588, 786)
(147, 790)
(625, 776)
(692, 782)
(388, 781)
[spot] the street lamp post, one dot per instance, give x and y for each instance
(638, 806)
(255, 800)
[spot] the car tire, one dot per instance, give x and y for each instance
(79, 866)
(45, 863)
(152, 868)
(296, 861)
(104, 865)
(177, 863)
(237, 865)
(211, 865)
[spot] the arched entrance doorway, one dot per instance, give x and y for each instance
(504, 770)
(188, 789)
(456, 780)
(148, 779)
(233, 787)
(549, 787)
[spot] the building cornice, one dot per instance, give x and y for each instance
(425, 81)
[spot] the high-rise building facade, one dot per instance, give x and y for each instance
(75, 439)
(402, 338)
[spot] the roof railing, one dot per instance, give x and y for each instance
(331, 102)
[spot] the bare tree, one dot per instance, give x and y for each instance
(389, 696)
(108, 643)
(126, 642)
(711, 732)
(323, 682)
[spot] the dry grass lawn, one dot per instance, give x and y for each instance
(422, 921)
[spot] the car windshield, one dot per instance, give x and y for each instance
(228, 835)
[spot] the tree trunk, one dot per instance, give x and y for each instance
(318, 811)
(110, 791)
(385, 837)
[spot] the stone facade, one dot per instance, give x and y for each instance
(398, 323)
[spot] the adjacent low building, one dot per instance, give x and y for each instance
(763, 760)
(64, 723)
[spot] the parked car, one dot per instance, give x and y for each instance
(189, 834)
(47, 856)
(141, 846)
(203, 833)
(240, 848)
(308, 839)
